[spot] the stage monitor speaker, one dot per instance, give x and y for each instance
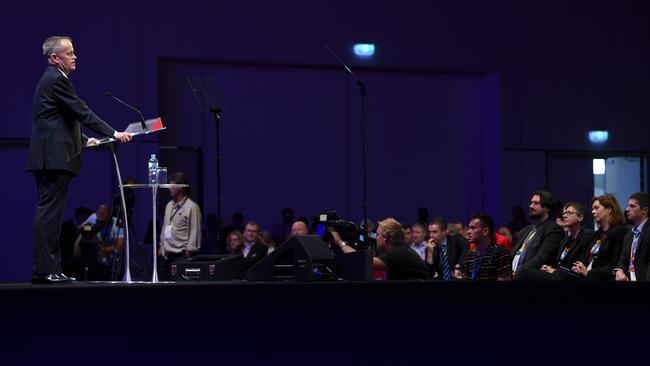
(355, 266)
(208, 268)
(301, 258)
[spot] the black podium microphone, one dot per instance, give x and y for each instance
(144, 125)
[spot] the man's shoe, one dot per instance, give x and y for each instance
(47, 278)
(66, 278)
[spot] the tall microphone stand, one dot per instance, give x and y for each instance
(215, 107)
(364, 147)
(217, 119)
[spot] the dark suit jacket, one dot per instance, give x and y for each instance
(611, 247)
(58, 114)
(642, 257)
(576, 249)
(543, 247)
(457, 248)
(257, 252)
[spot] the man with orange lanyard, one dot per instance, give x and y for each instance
(635, 259)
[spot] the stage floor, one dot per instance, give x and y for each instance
(328, 322)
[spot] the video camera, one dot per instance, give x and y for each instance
(331, 220)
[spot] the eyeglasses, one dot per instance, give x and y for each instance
(569, 213)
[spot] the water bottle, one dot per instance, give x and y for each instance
(153, 169)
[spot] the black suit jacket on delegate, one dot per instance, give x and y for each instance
(543, 247)
(58, 114)
(576, 249)
(255, 254)
(457, 248)
(642, 257)
(611, 247)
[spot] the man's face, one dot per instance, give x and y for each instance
(634, 213)
(299, 228)
(175, 190)
(381, 239)
(475, 232)
(417, 234)
(535, 209)
(251, 233)
(570, 216)
(65, 59)
(408, 238)
(436, 234)
(103, 213)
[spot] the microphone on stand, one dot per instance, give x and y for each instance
(144, 125)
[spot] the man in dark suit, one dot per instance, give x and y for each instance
(55, 152)
(252, 249)
(538, 243)
(634, 263)
(445, 253)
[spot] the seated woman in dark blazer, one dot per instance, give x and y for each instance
(602, 254)
(571, 247)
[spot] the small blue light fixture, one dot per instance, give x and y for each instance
(598, 137)
(365, 50)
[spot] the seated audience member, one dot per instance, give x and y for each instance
(503, 241)
(299, 228)
(602, 254)
(98, 245)
(418, 236)
(234, 242)
(237, 224)
(572, 247)
(408, 238)
(267, 240)
(398, 260)
(634, 263)
(252, 249)
(485, 260)
(282, 230)
(445, 253)
(538, 243)
(503, 230)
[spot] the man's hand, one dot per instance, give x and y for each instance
(620, 276)
(123, 136)
(336, 236)
(547, 269)
(579, 267)
(92, 142)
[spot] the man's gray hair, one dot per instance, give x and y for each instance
(53, 44)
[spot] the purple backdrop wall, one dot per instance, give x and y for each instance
(559, 69)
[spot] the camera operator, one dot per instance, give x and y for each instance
(100, 239)
(398, 260)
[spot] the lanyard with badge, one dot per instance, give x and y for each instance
(168, 227)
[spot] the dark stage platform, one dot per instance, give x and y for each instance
(325, 322)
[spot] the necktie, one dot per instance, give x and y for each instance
(635, 244)
(446, 269)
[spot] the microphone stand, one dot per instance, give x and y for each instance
(364, 148)
(206, 104)
(217, 119)
(142, 123)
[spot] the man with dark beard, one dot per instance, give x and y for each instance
(539, 242)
